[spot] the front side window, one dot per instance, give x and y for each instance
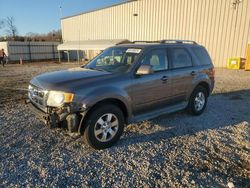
(115, 60)
(157, 59)
(180, 58)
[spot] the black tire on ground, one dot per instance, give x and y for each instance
(100, 111)
(192, 107)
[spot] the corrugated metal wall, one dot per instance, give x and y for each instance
(223, 29)
(30, 50)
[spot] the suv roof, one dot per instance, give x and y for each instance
(143, 44)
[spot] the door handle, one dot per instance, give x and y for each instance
(164, 78)
(193, 73)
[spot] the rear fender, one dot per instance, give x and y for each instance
(197, 80)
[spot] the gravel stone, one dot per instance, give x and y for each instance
(176, 150)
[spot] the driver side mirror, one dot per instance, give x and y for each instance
(144, 69)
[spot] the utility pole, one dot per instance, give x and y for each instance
(60, 10)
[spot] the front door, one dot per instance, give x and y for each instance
(150, 92)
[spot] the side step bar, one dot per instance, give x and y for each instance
(157, 113)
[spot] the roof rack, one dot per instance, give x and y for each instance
(144, 41)
(172, 41)
(178, 41)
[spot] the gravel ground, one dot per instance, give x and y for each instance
(176, 150)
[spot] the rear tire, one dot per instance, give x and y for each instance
(198, 101)
(104, 126)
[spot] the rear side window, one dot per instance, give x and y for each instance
(202, 56)
(179, 58)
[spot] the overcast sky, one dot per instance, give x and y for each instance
(42, 16)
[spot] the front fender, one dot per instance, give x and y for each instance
(103, 93)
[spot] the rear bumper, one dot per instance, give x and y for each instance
(212, 87)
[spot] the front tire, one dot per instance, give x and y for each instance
(198, 101)
(104, 126)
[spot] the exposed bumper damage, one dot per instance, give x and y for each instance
(69, 115)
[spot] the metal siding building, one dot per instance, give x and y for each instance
(220, 25)
(30, 51)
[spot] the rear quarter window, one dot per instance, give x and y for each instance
(202, 55)
(180, 58)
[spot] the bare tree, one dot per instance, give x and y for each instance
(54, 35)
(11, 28)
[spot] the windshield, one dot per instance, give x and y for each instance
(115, 60)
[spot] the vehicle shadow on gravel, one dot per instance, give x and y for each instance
(224, 109)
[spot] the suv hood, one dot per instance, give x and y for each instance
(67, 80)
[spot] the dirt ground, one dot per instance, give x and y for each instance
(176, 150)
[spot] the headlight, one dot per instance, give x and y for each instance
(57, 98)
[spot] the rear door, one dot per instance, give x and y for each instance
(152, 91)
(181, 66)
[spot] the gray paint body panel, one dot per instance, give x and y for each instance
(144, 96)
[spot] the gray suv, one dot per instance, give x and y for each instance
(126, 83)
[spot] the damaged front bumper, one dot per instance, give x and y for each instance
(68, 114)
